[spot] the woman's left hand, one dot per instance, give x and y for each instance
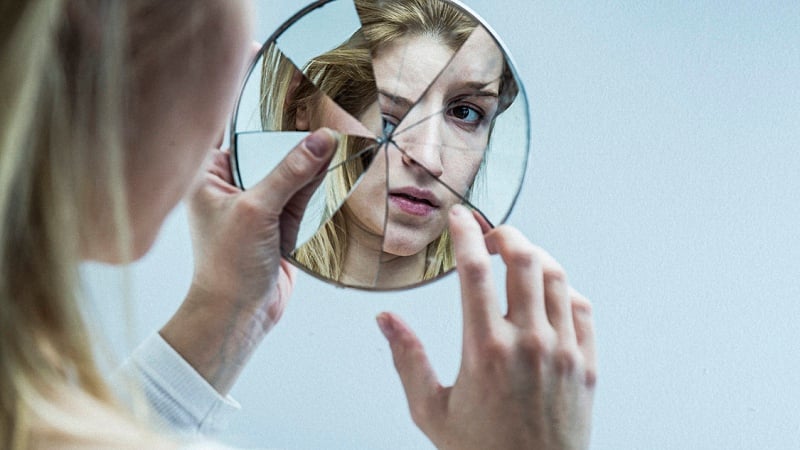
(241, 284)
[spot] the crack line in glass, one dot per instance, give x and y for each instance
(439, 145)
(344, 201)
(398, 131)
(385, 217)
(431, 84)
(446, 186)
(324, 95)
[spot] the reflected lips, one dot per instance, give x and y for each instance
(414, 201)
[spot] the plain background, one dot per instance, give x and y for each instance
(664, 177)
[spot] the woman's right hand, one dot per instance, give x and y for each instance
(241, 285)
(527, 377)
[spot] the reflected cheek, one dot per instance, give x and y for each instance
(367, 202)
(460, 173)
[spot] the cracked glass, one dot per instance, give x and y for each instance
(430, 113)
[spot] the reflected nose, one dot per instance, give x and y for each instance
(422, 146)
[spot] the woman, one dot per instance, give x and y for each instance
(108, 112)
(412, 48)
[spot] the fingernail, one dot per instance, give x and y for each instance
(386, 325)
(317, 143)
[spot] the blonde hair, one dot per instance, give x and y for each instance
(345, 75)
(64, 91)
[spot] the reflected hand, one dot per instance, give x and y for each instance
(241, 285)
(527, 378)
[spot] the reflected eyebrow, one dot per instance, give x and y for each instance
(480, 88)
(396, 99)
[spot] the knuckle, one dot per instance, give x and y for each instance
(522, 256)
(534, 347)
(406, 353)
(295, 167)
(555, 275)
(590, 378)
(581, 304)
(566, 360)
(534, 344)
(494, 349)
(490, 358)
(475, 268)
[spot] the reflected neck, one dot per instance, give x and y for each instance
(367, 265)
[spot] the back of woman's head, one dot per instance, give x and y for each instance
(57, 76)
(67, 73)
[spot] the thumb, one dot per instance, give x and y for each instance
(419, 380)
(296, 170)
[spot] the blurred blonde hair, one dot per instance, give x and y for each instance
(345, 75)
(64, 88)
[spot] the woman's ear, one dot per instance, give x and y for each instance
(301, 117)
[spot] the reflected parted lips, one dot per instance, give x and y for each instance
(418, 195)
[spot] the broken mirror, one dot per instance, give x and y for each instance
(429, 111)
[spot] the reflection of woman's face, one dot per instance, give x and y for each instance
(446, 132)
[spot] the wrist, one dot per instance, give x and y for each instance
(216, 335)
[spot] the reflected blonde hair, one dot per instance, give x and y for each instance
(345, 75)
(63, 88)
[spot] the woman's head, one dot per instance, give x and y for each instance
(109, 108)
(379, 77)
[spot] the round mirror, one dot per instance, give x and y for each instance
(430, 113)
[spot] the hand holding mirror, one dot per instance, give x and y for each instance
(430, 114)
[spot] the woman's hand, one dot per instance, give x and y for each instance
(527, 378)
(241, 284)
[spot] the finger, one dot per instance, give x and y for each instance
(474, 268)
(524, 283)
(485, 225)
(296, 170)
(556, 297)
(584, 331)
(220, 165)
(290, 270)
(293, 213)
(416, 374)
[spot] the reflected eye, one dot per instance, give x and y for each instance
(466, 114)
(388, 127)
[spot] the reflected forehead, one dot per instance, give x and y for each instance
(406, 67)
(411, 60)
(478, 60)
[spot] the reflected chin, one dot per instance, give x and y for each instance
(403, 241)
